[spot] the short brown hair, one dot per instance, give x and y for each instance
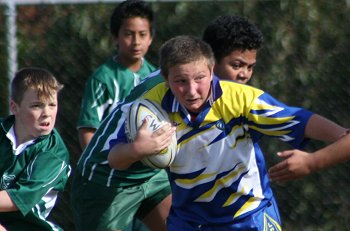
(184, 49)
(35, 78)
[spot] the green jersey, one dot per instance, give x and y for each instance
(108, 86)
(93, 163)
(32, 174)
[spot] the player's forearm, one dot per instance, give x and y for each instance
(320, 128)
(6, 203)
(85, 135)
(332, 154)
(122, 156)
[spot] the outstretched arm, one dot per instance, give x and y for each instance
(122, 155)
(297, 164)
(323, 129)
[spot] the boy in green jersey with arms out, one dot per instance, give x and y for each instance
(132, 27)
(34, 161)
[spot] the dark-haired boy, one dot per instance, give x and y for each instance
(131, 27)
(235, 41)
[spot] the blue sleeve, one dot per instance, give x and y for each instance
(268, 116)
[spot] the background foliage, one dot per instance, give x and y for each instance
(305, 62)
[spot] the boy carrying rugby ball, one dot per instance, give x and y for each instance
(219, 180)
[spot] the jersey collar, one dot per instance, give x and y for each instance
(8, 126)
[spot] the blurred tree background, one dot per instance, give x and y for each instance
(304, 62)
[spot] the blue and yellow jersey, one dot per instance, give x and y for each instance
(219, 174)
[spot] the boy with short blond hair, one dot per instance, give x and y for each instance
(34, 165)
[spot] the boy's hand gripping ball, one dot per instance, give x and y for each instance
(157, 117)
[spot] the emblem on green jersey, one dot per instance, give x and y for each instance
(7, 181)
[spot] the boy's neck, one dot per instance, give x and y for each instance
(133, 65)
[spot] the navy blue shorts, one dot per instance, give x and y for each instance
(267, 218)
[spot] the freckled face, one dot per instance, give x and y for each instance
(34, 117)
(237, 66)
(190, 83)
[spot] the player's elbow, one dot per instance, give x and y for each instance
(117, 163)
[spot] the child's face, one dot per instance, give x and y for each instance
(133, 40)
(34, 116)
(237, 66)
(190, 83)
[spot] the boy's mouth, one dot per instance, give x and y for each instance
(45, 124)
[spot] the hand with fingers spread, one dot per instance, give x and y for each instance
(296, 164)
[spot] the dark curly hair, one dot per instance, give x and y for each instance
(229, 33)
(130, 9)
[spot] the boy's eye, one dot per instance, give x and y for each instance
(236, 65)
(127, 33)
(35, 105)
(251, 67)
(200, 77)
(143, 34)
(179, 81)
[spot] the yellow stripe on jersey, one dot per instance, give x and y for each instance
(233, 197)
(219, 184)
(260, 119)
(270, 132)
(252, 201)
(190, 183)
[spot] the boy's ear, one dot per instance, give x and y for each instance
(13, 107)
(115, 40)
(166, 80)
(211, 73)
(150, 41)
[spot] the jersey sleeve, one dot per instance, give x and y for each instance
(46, 174)
(94, 104)
(268, 116)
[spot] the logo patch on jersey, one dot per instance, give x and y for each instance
(220, 125)
(270, 224)
(7, 181)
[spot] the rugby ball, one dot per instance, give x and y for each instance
(157, 117)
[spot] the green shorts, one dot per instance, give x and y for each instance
(96, 207)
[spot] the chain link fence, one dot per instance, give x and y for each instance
(304, 62)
